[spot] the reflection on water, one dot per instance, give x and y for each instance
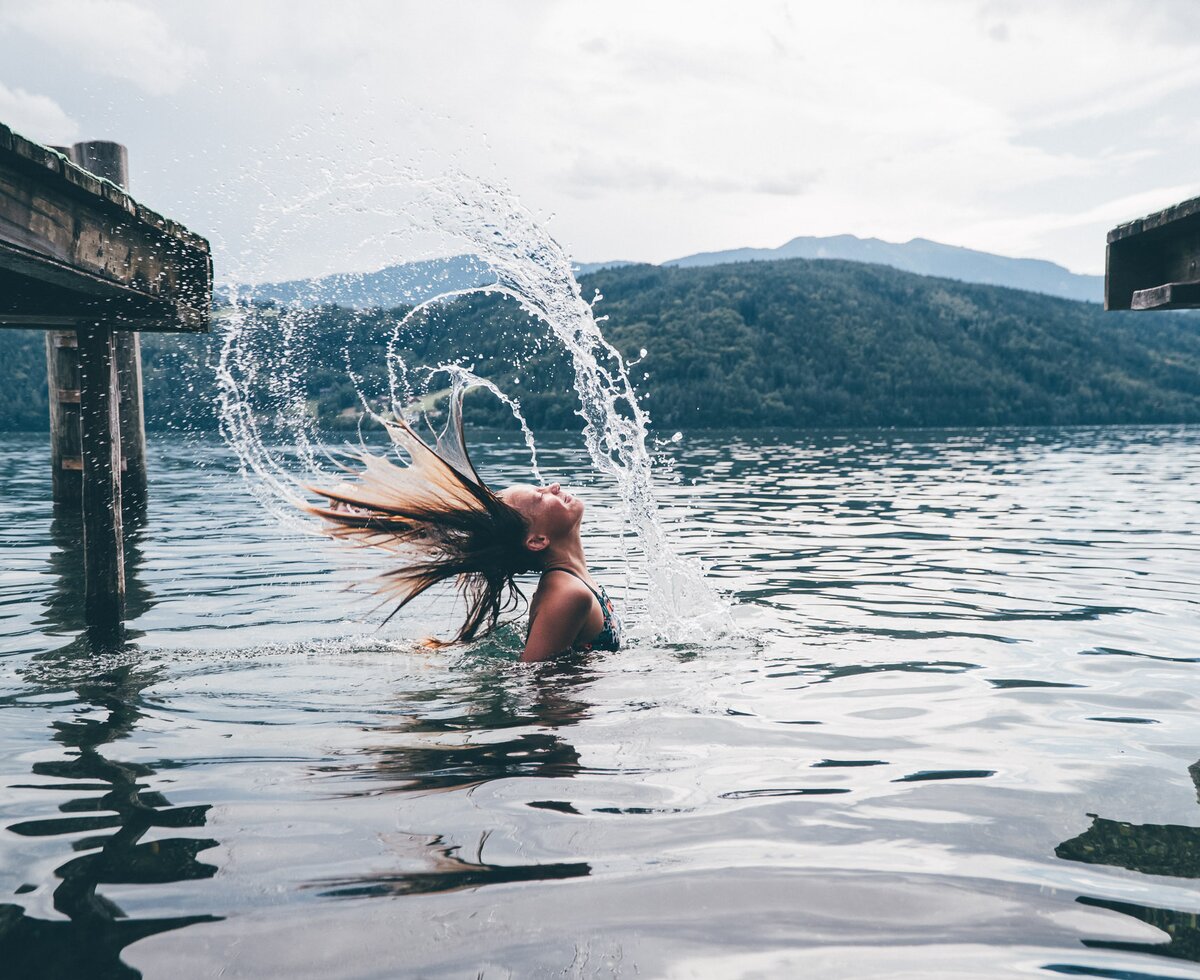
(416, 757)
(450, 872)
(114, 810)
(955, 739)
(1170, 850)
(411, 761)
(108, 822)
(1181, 929)
(63, 611)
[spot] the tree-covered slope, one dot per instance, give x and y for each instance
(786, 343)
(839, 343)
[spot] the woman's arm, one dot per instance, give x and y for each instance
(561, 614)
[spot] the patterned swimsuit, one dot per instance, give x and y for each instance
(609, 637)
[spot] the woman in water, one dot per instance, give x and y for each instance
(445, 523)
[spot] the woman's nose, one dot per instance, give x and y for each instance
(554, 488)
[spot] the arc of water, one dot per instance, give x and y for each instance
(532, 269)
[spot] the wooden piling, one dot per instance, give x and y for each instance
(100, 431)
(62, 378)
(127, 349)
(62, 391)
(110, 161)
(105, 159)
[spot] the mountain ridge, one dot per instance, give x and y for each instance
(923, 257)
(413, 282)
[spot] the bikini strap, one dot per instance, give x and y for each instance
(561, 568)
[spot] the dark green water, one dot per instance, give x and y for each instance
(955, 742)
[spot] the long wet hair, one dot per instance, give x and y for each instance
(440, 518)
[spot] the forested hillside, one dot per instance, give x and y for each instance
(786, 343)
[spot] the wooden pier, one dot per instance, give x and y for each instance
(81, 259)
(1154, 262)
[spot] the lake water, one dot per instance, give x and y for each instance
(954, 740)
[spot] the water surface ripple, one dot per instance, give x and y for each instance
(958, 738)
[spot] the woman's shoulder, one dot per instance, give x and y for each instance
(562, 581)
(563, 594)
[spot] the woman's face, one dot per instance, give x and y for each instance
(549, 511)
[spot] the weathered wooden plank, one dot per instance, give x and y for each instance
(75, 464)
(1184, 211)
(89, 185)
(38, 322)
(65, 228)
(185, 323)
(22, 224)
(44, 225)
(103, 545)
(38, 155)
(1169, 296)
(50, 288)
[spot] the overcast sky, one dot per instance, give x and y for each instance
(640, 130)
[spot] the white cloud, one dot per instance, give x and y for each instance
(589, 175)
(36, 117)
(650, 129)
(118, 38)
(1019, 235)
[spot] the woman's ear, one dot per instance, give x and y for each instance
(536, 542)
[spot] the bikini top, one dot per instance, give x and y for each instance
(609, 637)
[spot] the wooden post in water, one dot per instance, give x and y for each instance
(100, 433)
(62, 378)
(110, 161)
(62, 390)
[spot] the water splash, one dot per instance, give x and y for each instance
(268, 359)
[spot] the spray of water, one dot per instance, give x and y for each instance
(268, 419)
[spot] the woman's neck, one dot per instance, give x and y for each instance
(566, 554)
